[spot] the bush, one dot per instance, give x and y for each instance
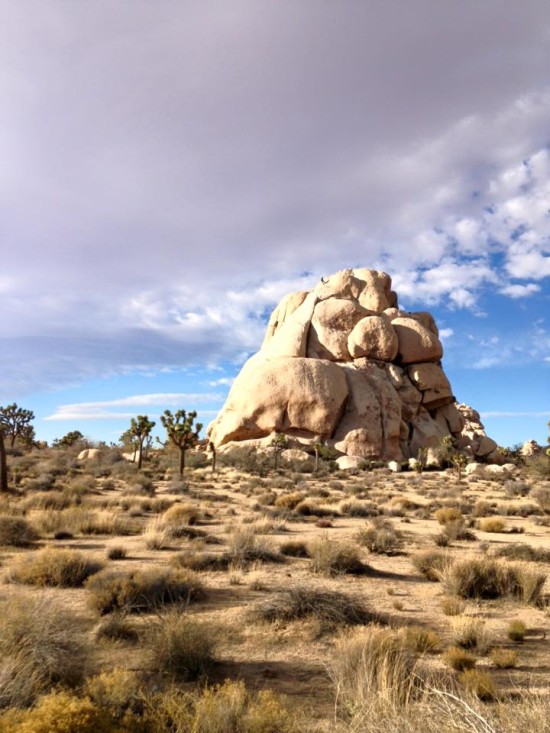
(330, 557)
(471, 633)
(325, 606)
(452, 606)
(492, 524)
(370, 665)
(503, 658)
(39, 648)
(421, 640)
(380, 537)
(459, 659)
(231, 708)
(489, 579)
(59, 712)
(116, 627)
(294, 548)
(519, 551)
(116, 552)
(354, 508)
(180, 514)
(142, 590)
(430, 563)
(246, 547)
(516, 630)
(181, 646)
(289, 501)
(15, 531)
(448, 514)
(53, 567)
(120, 696)
(479, 683)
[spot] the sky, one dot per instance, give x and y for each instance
(170, 169)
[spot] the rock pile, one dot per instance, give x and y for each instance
(343, 365)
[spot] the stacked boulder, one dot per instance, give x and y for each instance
(342, 365)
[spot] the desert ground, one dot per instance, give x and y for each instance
(258, 599)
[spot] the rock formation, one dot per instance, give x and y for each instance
(343, 365)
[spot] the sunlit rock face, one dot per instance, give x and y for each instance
(343, 365)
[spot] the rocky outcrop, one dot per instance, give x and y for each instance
(343, 365)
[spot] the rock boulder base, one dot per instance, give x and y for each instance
(343, 366)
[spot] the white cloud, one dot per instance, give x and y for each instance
(515, 414)
(445, 333)
(101, 410)
(520, 291)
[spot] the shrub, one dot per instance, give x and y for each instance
(492, 524)
(294, 548)
(459, 659)
(471, 633)
(452, 606)
(231, 707)
(354, 508)
(59, 712)
(116, 552)
(421, 640)
(116, 627)
(516, 630)
(372, 664)
(380, 537)
(120, 696)
(488, 579)
(15, 531)
(448, 514)
(39, 648)
(289, 501)
(200, 561)
(142, 590)
(325, 606)
(181, 646)
(331, 557)
(430, 563)
(479, 683)
(178, 514)
(246, 547)
(503, 658)
(311, 508)
(53, 567)
(519, 551)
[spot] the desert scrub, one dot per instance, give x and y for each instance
(492, 524)
(355, 508)
(380, 537)
(121, 697)
(430, 563)
(516, 630)
(245, 546)
(459, 659)
(471, 633)
(372, 664)
(39, 648)
(519, 551)
(58, 712)
(180, 514)
(116, 552)
(289, 501)
(294, 548)
(503, 658)
(448, 514)
(116, 627)
(181, 646)
(452, 606)
(421, 640)
(227, 708)
(140, 591)
(333, 557)
(53, 567)
(487, 578)
(201, 561)
(15, 532)
(479, 683)
(327, 607)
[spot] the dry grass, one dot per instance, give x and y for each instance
(15, 532)
(333, 557)
(53, 567)
(140, 591)
(181, 646)
(39, 648)
(380, 537)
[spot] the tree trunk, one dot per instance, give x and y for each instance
(3, 465)
(140, 455)
(182, 461)
(213, 449)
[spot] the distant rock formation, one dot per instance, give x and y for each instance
(343, 365)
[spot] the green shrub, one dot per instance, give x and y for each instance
(53, 567)
(142, 590)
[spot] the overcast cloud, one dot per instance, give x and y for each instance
(170, 169)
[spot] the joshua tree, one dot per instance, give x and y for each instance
(67, 441)
(14, 423)
(279, 443)
(140, 429)
(181, 431)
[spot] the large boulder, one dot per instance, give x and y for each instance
(343, 365)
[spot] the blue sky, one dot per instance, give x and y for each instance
(170, 170)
